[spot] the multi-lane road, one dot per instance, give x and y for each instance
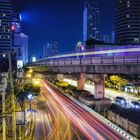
(51, 121)
(108, 92)
(59, 118)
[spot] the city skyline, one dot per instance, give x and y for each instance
(69, 19)
(70, 70)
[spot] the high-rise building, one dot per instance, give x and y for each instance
(127, 21)
(5, 25)
(90, 20)
(107, 38)
(79, 47)
(51, 49)
(47, 50)
(24, 47)
(55, 47)
(20, 41)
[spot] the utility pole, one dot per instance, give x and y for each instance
(4, 83)
(12, 98)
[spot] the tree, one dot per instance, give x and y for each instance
(118, 81)
(22, 91)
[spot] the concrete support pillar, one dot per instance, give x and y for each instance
(81, 82)
(99, 83)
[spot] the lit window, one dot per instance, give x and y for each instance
(4, 15)
(128, 26)
(136, 39)
(127, 16)
(3, 29)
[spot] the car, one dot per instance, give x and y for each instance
(135, 105)
(120, 100)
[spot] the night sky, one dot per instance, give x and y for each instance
(62, 20)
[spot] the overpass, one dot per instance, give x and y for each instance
(93, 64)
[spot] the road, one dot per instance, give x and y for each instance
(111, 94)
(59, 118)
(51, 121)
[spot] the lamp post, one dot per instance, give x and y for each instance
(3, 88)
(30, 97)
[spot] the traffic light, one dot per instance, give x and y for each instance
(13, 28)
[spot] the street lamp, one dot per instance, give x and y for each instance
(29, 74)
(30, 97)
(36, 82)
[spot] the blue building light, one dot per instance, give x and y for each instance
(20, 17)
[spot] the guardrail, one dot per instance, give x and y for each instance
(108, 60)
(124, 123)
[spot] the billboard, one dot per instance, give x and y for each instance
(20, 118)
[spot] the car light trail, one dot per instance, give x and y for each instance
(89, 125)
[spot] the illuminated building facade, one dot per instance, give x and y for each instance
(51, 49)
(5, 25)
(127, 21)
(20, 42)
(90, 21)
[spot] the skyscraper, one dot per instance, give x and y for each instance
(20, 41)
(109, 38)
(24, 47)
(55, 46)
(127, 21)
(51, 49)
(47, 50)
(90, 20)
(5, 25)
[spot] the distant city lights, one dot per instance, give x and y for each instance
(4, 55)
(33, 59)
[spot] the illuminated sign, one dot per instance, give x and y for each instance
(19, 64)
(20, 117)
